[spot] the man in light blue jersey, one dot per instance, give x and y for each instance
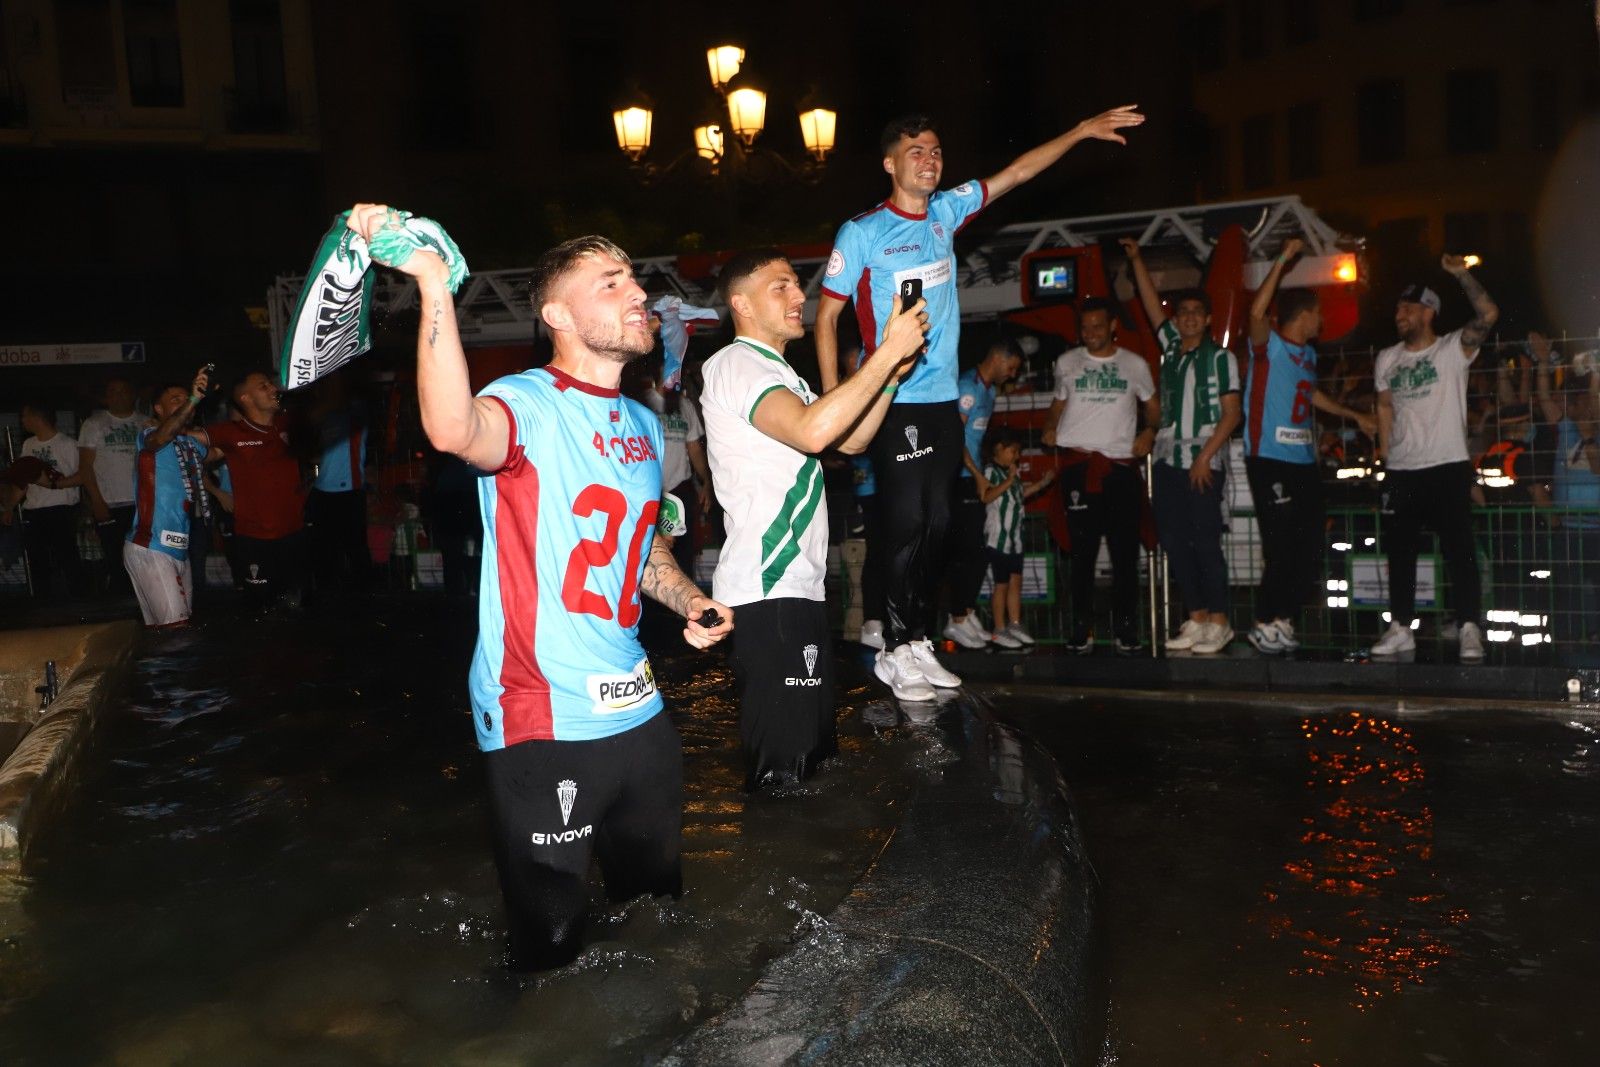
(910, 237)
(579, 757)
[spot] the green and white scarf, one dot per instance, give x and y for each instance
(333, 319)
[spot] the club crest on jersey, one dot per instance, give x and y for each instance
(811, 659)
(915, 453)
(1075, 505)
(566, 793)
(964, 189)
(614, 694)
(616, 416)
(835, 264)
(938, 230)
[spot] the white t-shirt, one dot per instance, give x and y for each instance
(1102, 400)
(1428, 389)
(677, 430)
(115, 441)
(777, 513)
(60, 454)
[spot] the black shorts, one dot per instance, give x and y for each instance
(1002, 565)
(783, 654)
(556, 804)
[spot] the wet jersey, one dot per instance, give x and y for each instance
(1277, 401)
(568, 521)
(975, 401)
(161, 496)
(876, 251)
(771, 494)
(344, 456)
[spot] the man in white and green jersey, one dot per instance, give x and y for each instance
(764, 426)
(1200, 409)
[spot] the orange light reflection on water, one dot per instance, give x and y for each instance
(1368, 841)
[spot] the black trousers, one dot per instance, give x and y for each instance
(1441, 498)
(1112, 515)
(966, 558)
(339, 552)
(112, 533)
(914, 456)
(782, 654)
(624, 805)
(50, 537)
(271, 568)
(1293, 522)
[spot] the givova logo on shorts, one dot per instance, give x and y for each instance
(566, 793)
(915, 453)
(809, 654)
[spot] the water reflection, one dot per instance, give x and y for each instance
(1368, 841)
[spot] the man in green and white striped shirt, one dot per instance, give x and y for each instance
(763, 427)
(1200, 409)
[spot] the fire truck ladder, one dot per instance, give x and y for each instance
(492, 306)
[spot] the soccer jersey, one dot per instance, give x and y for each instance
(1102, 397)
(678, 428)
(267, 499)
(975, 401)
(60, 454)
(1193, 384)
(771, 494)
(161, 495)
(1002, 516)
(568, 520)
(1277, 407)
(876, 251)
(1428, 390)
(343, 459)
(115, 440)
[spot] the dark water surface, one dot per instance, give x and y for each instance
(1345, 884)
(279, 854)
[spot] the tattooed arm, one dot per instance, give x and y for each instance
(1485, 310)
(455, 421)
(666, 584)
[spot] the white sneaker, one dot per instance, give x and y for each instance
(1471, 642)
(872, 634)
(1003, 639)
(932, 670)
(899, 671)
(975, 627)
(962, 634)
(1265, 637)
(1186, 636)
(1286, 636)
(1019, 635)
(1396, 639)
(1214, 637)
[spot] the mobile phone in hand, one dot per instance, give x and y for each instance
(910, 293)
(709, 619)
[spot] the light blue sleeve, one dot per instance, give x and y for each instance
(955, 207)
(526, 423)
(846, 263)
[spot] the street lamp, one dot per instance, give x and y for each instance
(745, 107)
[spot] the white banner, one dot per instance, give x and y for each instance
(66, 355)
(1369, 582)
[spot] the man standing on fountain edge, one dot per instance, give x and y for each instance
(579, 756)
(918, 450)
(764, 426)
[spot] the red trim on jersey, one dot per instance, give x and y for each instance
(567, 381)
(905, 214)
(511, 434)
(144, 495)
(864, 316)
(1259, 367)
(983, 203)
(525, 692)
(356, 433)
(837, 296)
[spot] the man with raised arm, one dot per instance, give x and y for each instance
(1200, 409)
(579, 756)
(917, 452)
(1280, 451)
(1422, 439)
(764, 427)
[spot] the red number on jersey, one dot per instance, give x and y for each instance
(1302, 402)
(588, 553)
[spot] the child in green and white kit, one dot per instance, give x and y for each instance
(1002, 491)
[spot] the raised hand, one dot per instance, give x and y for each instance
(367, 219)
(1456, 265)
(1130, 246)
(202, 379)
(1104, 126)
(1291, 248)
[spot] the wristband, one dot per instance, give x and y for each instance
(891, 389)
(195, 398)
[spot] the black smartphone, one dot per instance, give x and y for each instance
(910, 292)
(709, 619)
